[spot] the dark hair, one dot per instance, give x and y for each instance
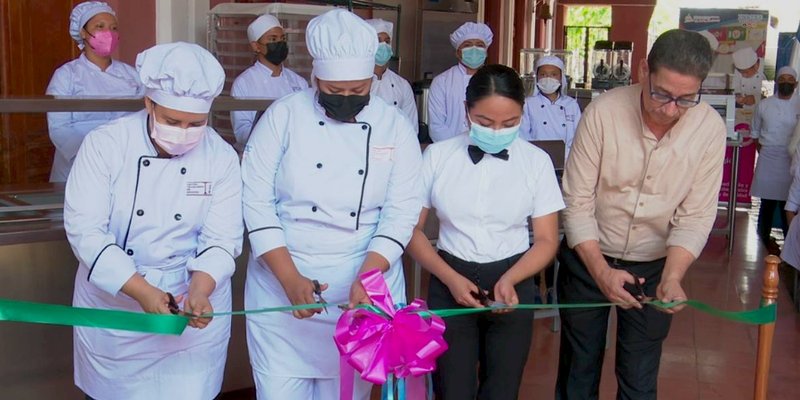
(498, 80)
(682, 51)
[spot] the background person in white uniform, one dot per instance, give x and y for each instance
(550, 114)
(446, 114)
(484, 187)
(93, 26)
(387, 84)
(747, 77)
(774, 122)
(330, 191)
(153, 206)
(267, 78)
(791, 245)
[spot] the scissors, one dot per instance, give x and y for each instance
(638, 290)
(318, 293)
(175, 309)
(486, 298)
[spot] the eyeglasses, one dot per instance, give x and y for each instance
(682, 102)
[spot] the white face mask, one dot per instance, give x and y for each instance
(548, 85)
(176, 140)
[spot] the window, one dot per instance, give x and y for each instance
(583, 26)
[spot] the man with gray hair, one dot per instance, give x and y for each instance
(641, 187)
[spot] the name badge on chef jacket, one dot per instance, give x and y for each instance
(382, 153)
(198, 189)
(570, 117)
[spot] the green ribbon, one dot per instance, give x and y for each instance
(758, 316)
(39, 313)
(167, 324)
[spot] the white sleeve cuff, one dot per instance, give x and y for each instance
(214, 261)
(265, 239)
(111, 269)
(389, 248)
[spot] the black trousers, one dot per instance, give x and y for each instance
(486, 352)
(766, 214)
(640, 334)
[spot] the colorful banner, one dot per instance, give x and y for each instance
(734, 29)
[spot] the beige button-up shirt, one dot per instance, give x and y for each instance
(637, 195)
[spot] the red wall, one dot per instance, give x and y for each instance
(629, 21)
(137, 27)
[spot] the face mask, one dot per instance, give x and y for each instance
(384, 54)
(176, 140)
(473, 57)
(490, 140)
(548, 85)
(104, 42)
(277, 52)
(785, 88)
(343, 108)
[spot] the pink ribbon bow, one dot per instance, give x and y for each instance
(401, 342)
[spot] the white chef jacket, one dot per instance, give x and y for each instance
(749, 86)
(774, 121)
(329, 192)
(396, 91)
(81, 77)
(483, 208)
(258, 82)
(793, 198)
(547, 120)
(791, 247)
(447, 116)
(127, 211)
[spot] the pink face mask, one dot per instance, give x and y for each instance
(104, 42)
(176, 140)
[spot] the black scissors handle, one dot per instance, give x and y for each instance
(484, 297)
(636, 289)
(318, 292)
(173, 305)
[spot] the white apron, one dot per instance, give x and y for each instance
(127, 211)
(282, 345)
(772, 178)
(110, 362)
(791, 246)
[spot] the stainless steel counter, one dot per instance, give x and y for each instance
(37, 359)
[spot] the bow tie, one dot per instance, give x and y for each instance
(476, 154)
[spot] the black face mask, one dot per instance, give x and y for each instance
(277, 52)
(785, 88)
(343, 108)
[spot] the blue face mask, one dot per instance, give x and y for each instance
(473, 56)
(490, 140)
(384, 54)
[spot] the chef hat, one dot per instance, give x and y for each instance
(343, 46)
(260, 26)
(81, 14)
(181, 76)
(744, 58)
(712, 40)
(787, 70)
(556, 62)
(471, 30)
(381, 25)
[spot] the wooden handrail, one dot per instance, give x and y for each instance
(769, 295)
